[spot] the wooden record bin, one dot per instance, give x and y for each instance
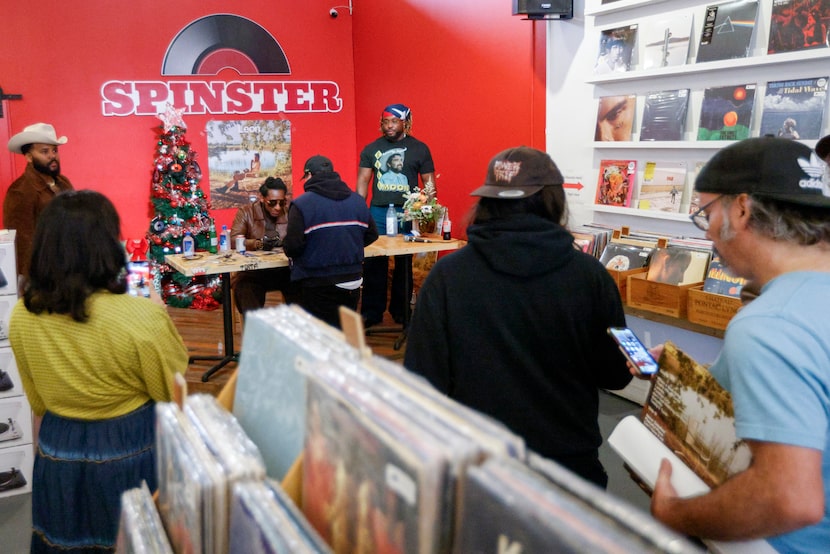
(621, 236)
(712, 310)
(661, 298)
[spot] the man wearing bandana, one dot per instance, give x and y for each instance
(391, 165)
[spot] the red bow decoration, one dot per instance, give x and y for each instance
(137, 249)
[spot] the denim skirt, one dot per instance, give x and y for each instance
(80, 470)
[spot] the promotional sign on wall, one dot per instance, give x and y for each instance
(242, 154)
(205, 47)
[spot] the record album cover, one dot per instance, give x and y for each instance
(721, 280)
(726, 112)
(662, 187)
(622, 257)
(664, 115)
(797, 25)
(727, 30)
(615, 118)
(677, 265)
(616, 181)
(616, 49)
(794, 109)
(666, 41)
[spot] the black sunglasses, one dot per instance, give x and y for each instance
(272, 203)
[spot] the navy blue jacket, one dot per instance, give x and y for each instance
(328, 228)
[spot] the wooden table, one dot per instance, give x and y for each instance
(204, 263)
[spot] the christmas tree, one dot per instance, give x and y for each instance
(179, 206)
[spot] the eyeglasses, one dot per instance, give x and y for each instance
(272, 203)
(700, 218)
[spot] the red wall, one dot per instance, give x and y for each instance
(59, 55)
(472, 73)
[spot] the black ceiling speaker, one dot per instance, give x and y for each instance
(544, 9)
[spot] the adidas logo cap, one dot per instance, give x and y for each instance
(780, 169)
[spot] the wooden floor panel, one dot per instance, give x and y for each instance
(202, 332)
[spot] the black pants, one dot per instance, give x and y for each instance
(324, 302)
(375, 282)
(249, 287)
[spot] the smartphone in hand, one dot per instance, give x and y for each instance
(634, 350)
(139, 280)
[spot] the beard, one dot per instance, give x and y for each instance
(46, 170)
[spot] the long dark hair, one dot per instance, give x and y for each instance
(548, 203)
(76, 250)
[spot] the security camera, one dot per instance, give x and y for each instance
(333, 13)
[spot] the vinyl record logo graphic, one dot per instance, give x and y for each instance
(219, 41)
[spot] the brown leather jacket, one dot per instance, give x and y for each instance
(250, 221)
(26, 198)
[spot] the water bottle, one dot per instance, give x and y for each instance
(391, 221)
(188, 245)
(213, 240)
(225, 240)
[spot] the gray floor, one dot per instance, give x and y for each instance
(15, 523)
(16, 519)
(612, 409)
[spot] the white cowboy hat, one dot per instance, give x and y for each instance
(41, 133)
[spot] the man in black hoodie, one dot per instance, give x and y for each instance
(328, 228)
(514, 324)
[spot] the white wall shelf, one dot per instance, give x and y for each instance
(664, 144)
(634, 212)
(687, 70)
(619, 6)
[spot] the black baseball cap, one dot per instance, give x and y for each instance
(518, 173)
(823, 147)
(317, 164)
(775, 168)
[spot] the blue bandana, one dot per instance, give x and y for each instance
(397, 110)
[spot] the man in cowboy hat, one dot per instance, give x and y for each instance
(32, 191)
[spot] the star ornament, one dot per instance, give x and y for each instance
(171, 117)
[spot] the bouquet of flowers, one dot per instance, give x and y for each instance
(423, 208)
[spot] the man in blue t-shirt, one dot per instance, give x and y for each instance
(391, 165)
(766, 205)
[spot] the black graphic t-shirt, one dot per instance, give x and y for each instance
(395, 167)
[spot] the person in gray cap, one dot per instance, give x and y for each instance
(515, 323)
(329, 225)
(765, 202)
(29, 194)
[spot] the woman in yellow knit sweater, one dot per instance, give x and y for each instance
(93, 362)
